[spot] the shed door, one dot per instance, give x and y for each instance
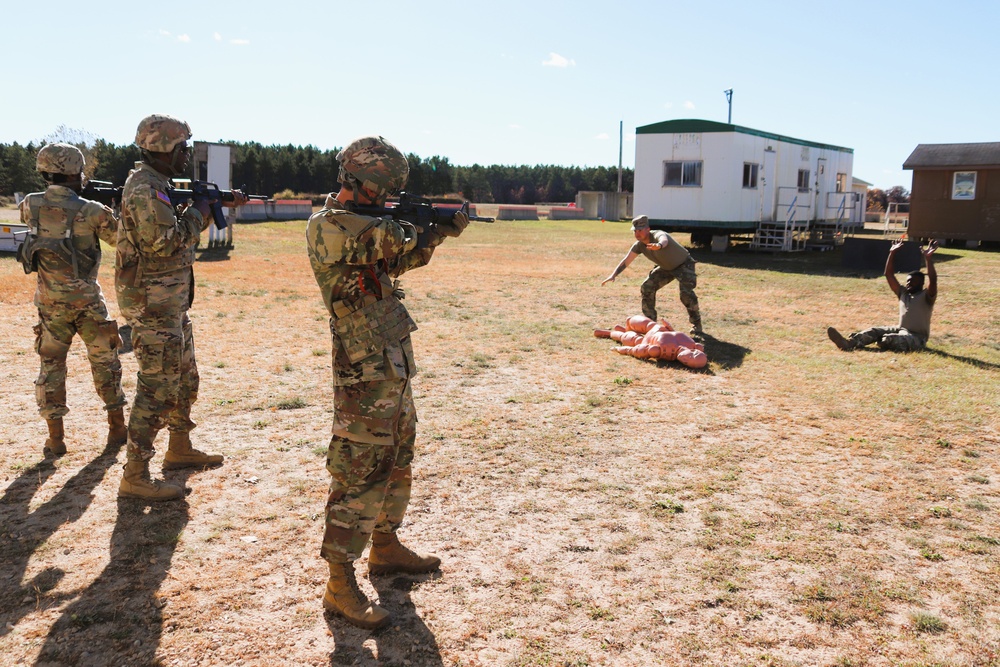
(767, 189)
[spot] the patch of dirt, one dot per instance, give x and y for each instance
(788, 505)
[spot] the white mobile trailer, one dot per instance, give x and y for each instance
(713, 178)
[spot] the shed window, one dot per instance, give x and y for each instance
(964, 185)
(682, 174)
(841, 182)
(750, 175)
(803, 180)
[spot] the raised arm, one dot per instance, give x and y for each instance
(890, 273)
(931, 271)
(622, 265)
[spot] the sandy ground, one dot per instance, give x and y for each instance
(789, 505)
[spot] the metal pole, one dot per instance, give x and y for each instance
(620, 135)
(729, 98)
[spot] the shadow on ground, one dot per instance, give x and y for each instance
(405, 641)
(118, 619)
(26, 531)
(972, 361)
(809, 262)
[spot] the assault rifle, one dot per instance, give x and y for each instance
(420, 212)
(111, 195)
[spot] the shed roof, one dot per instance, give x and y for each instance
(690, 125)
(954, 155)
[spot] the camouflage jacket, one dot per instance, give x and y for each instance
(58, 284)
(154, 237)
(355, 257)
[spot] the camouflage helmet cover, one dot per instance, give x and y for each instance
(60, 159)
(375, 164)
(160, 133)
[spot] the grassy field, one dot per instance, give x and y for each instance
(790, 504)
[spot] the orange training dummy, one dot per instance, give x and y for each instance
(644, 338)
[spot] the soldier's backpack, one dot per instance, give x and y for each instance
(50, 228)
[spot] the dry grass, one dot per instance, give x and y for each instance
(789, 505)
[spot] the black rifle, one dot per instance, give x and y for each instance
(420, 212)
(111, 195)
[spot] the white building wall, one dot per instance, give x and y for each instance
(722, 197)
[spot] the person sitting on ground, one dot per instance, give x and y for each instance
(915, 307)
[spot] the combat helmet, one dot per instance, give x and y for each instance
(374, 164)
(60, 159)
(160, 133)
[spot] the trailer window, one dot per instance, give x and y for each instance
(841, 182)
(750, 175)
(682, 174)
(803, 180)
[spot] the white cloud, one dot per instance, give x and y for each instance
(603, 136)
(183, 38)
(217, 37)
(630, 137)
(556, 60)
(688, 104)
(239, 42)
(514, 126)
(165, 33)
(668, 105)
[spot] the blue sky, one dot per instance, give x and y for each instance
(510, 82)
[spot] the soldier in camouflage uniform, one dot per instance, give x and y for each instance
(672, 263)
(154, 279)
(355, 259)
(64, 246)
(915, 307)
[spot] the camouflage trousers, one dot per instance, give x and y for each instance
(659, 277)
(375, 426)
(889, 338)
(167, 382)
(53, 337)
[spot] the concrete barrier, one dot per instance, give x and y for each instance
(565, 213)
(517, 212)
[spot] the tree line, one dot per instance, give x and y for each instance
(879, 200)
(311, 172)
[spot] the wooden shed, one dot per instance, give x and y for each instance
(955, 192)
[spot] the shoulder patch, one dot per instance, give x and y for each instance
(162, 196)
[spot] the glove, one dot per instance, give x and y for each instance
(456, 226)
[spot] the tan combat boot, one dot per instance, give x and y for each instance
(55, 445)
(388, 555)
(343, 597)
(117, 432)
(137, 484)
(180, 454)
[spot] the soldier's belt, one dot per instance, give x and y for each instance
(368, 326)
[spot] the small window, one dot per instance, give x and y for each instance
(750, 175)
(203, 171)
(682, 174)
(964, 185)
(803, 180)
(841, 182)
